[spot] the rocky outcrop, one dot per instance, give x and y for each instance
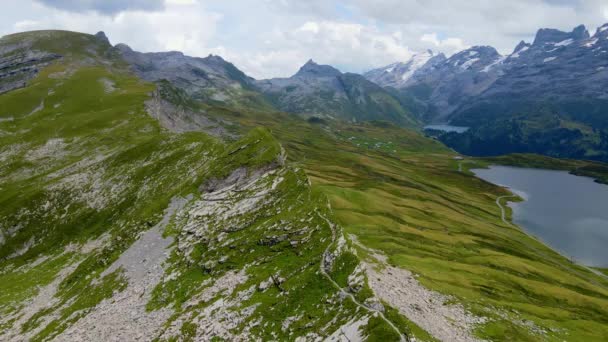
(180, 118)
(19, 64)
(209, 79)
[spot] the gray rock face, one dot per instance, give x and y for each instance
(19, 64)
(312, 70)
(102, 36)
(547, 35)
(210, 78)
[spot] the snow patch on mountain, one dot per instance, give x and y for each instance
(591, 42)
(416, 62)
(565, 42)
(517, 54)
(468, 63)
(498, 62)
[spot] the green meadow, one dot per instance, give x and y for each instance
(80, 161)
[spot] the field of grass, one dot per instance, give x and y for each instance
(445, 226)
(402, 194)
(83, 163)
(80, 162)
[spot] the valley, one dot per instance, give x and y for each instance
(212, 206)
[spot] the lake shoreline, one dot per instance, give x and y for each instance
(554, 210)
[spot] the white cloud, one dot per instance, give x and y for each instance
(273, 38)
(104, 6)
(26, 25)
(183, 25)
(448, 45)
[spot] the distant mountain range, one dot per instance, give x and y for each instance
(549, 96)
(315, 90)
(325, 91)
(156, 196)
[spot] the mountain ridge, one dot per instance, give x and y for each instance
(559, 75)
(114, 224)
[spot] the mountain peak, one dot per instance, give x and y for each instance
(520, 46)
(102, 37)
(123, 47)
(214, 58)
(477, 52)
(311, 68)
(602, 30)
(547, 35)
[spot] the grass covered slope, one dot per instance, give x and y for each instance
(445, 227)
(402, 195)
(113, 227)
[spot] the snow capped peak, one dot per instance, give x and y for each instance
(398, 74)
(416, 62)
(477, 57)
(519, 51)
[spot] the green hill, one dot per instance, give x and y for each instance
(256, 225)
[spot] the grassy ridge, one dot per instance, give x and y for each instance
(88, 162)
(81, 159)
(402, 194)
(84, 164)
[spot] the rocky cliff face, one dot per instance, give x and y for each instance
(19, 62)
(208, 79)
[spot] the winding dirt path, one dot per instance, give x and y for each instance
(403, 337)
(502, 209)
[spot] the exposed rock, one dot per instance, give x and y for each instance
(209, 78)
(349, 332)
(19, 63)
(180, 119)
(102, 37)
(141, 264)
(428, 309)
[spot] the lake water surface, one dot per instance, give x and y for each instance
(567, 212)
(448, 128)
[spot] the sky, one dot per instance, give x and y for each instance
(273, 38)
